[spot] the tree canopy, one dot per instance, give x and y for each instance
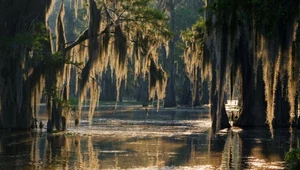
(254, 42)
(43, 60)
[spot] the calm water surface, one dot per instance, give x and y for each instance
(140, 139)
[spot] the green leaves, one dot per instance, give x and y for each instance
(140, 3)
(269, 14)
(196, 33)
(54, 60)
(52, 93)
(266, 14)
(27, 46)
(293, 158)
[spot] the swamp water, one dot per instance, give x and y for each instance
(132, 138)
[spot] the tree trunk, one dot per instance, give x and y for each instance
(216, 49)
(205, 93)
(143, 91)
(16, 18)
(199, 89)
(170, 93)
(253, 105)
(219, 120)
(185, 92)
(282, 106)
(170, 99)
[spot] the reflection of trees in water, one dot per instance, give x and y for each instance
(257, 149)
(93, 156)
(202, 150)
(230, 150)
(147, 152)
(15, 149)
(38, 150)
(252, 149)
(85, 157)
(61, 151)
(232, 153)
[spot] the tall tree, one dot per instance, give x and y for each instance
(170, 58)
(182, 14)
(117, 31)
(251, 40)
(23, 44)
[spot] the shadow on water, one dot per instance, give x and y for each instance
(168, 139)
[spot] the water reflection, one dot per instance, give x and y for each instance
(135, 140)
(232, 152)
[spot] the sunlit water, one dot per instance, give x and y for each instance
(140, 139)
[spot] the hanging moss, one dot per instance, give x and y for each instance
(158, 81)
(120, 47)
(116, 29)
(270, 27)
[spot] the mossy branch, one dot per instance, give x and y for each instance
(84, 36)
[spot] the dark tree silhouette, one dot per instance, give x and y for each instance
(251, 41)
(31, 64)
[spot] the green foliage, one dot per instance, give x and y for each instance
(53, 93)
(34, 40)
(267, 15)
(196, 34)
(141, 3)
(67, 104)
(73, 100)
(40, 39)
(184, 18)
(200, 27)
(50, 92)
(146, 17)
(54, 60)
(293, 158)
(270, 14)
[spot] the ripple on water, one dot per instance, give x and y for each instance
(135, 140)
(142, 128)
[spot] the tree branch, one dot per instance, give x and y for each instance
(84, 36)
(107, 12)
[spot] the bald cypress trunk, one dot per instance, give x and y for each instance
(253, 108)
(170, 90)
(252, 42)
(17, 21)
(282, 106)
(142, 94)
(253, 105)
(218, 116)
(185, 97)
